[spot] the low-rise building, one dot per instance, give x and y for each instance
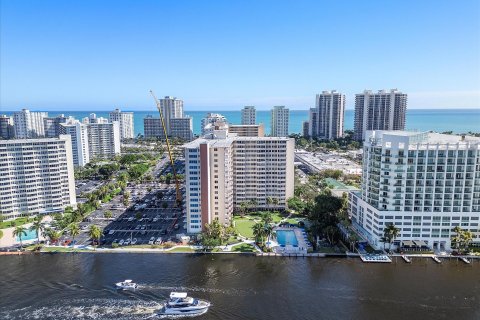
(247, 130)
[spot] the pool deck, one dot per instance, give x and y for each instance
(302, 244)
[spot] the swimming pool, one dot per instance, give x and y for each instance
(287, 237)
(31, 235)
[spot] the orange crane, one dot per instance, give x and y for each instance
(177, 184)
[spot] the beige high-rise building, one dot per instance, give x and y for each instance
(224, 170)
(327, 118)
(37, 176)
(247, 130)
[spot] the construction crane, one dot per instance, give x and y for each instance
(177, 184)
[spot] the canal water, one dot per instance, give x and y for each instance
(81, 286)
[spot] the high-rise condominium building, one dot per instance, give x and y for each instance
(51, 125)
(327, 118)
(208, 123)
(280, 116)
(37, 176)
(6, 127)
(224, 170)
(103, 137)
(379, 111)
(29, 124)
(78, 133)
(424, 183)
(247, 130)
(172, 108)
(179, 128)
(126, 123)
(249, 115)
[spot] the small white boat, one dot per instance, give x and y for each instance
(406, 259)
(435, 258)
(181, 304)
(465, 260)
(126, 285)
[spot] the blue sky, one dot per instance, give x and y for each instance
(93, 55)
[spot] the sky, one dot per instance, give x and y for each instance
(222, 55)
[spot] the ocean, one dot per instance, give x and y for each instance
(440, 120)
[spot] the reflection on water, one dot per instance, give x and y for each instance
(81, 286)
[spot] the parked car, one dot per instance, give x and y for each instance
(111, 232)
(121, 242)
(159, 240)
(152, 240)
(134, 240)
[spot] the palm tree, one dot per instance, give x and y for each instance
(269, 202)
(74, 230)
(258, 232)
(267, 218)
(19, 232)
(107, 214)
(38, 227)
(53, 235)
(275, 202)
(95, 234)
(393, 234)
(268, 231)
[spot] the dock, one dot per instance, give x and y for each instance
(379, 258)
(406, 259)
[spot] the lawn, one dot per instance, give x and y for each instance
(243, 247)
(18, 222)
(244, 227)
(181, 249)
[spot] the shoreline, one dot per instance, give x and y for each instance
(393, 257)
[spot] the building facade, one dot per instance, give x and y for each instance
(181, 128)
(249, 115)
(327, 118)
(7, 130)
(37, 176)
(280, 118)
(51, 125)
(224, 170)
(78, 133)
(247, 130)
(424, 183)
(208, 123)
(171, 108)
(384, 110)
(29, 124)
(126, 123)
(103, 139)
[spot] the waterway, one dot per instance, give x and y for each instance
(81, 286)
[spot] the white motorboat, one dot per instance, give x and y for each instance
(127, 284)
(181, 304)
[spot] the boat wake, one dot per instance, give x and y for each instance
(87, 309)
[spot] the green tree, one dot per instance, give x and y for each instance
(267, 218)
(107, 214)
(95, 233)
(259, 232)
(126, 198)
(53, 235)
(74, 230)
(38, 227)
(20, 232)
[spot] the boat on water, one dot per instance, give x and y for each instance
(435, 258)
(181, 304)
(126, 285)
(406, 259)
(465, 260)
